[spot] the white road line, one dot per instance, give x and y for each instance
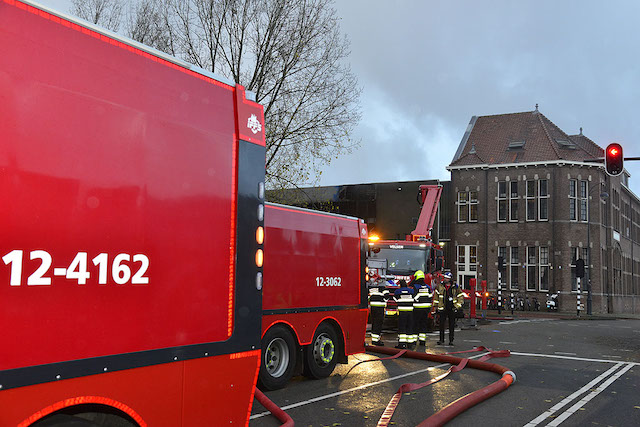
(566, 414)
(511, 322)
(505, 342)
(556, 356)
(542, 417)
(565, 354)
(339, 393)
(471, 340)
(615, 357)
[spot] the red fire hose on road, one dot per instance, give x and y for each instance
(457, 407)
(275, 410)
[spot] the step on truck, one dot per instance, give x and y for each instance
(130, 183)
(314, 296)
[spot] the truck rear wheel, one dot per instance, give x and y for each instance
(278, 358)
(321, 355)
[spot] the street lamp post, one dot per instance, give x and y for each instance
(603, 196)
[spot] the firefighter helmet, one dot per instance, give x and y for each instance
(419, 274)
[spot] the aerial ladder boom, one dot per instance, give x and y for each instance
(430, 196)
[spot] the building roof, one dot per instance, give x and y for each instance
(526, 137)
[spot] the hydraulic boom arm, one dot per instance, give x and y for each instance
(430, 195)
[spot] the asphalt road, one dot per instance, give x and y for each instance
(569, 372)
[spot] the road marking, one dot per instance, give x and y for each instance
(471, 340)
(542, 417)
(339, 393)
(566, 354)
(566, 414)
(557, 356)
(511, 322)
(505, 342)
(615, 357)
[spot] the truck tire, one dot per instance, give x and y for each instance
(321, 355)
(278, 358)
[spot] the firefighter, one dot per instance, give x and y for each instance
(378, 296)
(404, 298)
(421, 307)
(448, 298)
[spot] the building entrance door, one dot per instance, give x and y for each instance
(467, 264)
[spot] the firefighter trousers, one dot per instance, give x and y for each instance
(405, 327)
(451, 315)
(377, 317)
(420, 322)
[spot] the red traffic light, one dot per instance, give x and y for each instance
(614, 159)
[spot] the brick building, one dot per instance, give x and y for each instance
(525, 190)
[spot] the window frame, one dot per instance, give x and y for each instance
(502, 198)
(514, 266)
(543, 266)
(530, 198)
(463, 204)
(513, 201)
(546, 198)
(530, 287)
(573, 200)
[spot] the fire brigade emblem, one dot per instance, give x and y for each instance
(254, 124)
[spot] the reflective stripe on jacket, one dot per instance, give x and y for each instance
(423, 298)
(404, 298)
(453, 295)
(378, 297)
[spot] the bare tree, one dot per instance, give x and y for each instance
(106, 13)
(290, 53)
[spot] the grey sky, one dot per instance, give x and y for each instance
(426, 67)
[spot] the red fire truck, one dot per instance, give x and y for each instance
(314, 296)
(132, 239)
(399, 259)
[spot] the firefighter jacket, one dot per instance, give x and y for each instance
(448, 298)
(423, 297)
(404, 298)
(378, 296)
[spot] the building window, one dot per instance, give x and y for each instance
(514, 266)
(530, 197)
(543, 200)
(615, 202)
(544, 268)
(467, 206)
(513, 201)
(578, 200)
(502, 201)
(575, 253)
(531, 268)
(463, 206)
(573, 200)
(502, 252)
(473, 258)
(461, 255)
(583, 201)
(473, 206)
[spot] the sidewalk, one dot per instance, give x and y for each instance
(565, 315)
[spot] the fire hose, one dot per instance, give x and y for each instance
(447, 413)
(275, 410)
(457, 407)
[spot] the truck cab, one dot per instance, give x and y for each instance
(394, 260)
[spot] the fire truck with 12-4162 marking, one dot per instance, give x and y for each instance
(136, 246)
